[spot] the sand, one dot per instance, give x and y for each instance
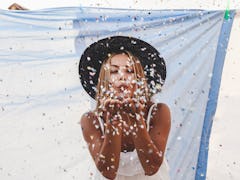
(224, 156)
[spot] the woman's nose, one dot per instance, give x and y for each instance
(122, 77)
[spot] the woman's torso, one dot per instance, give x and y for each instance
(127, 142)
(130, 166)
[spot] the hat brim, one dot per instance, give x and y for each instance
(91, 60)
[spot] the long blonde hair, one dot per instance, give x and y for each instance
(103, 91)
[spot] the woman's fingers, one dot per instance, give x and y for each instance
(132, 105)
(113, 106)
(129, 106)
(116, 107)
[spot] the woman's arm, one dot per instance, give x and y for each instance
(105, 150)
(109, 155)
(151, 145)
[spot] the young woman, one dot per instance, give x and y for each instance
(126, 133)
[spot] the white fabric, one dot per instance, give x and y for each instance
(41, 98)
(129, 164)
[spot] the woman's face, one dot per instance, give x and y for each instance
(122, 76)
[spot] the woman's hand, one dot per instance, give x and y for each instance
(111, 110)
(133, 107)
(16, 6)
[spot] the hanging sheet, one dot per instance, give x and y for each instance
(42, 100)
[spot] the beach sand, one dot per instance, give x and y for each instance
(224, 156)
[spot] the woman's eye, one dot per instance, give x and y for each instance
(114, 71)
(129, 70)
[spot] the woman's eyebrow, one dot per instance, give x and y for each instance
(114, 65)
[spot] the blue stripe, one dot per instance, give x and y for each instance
(213, 97)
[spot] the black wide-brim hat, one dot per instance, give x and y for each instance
(91, 60)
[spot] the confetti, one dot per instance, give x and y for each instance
(102, 156)
(138, 117)
(150, 151)
(97, 126)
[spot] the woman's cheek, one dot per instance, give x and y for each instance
(113, 79)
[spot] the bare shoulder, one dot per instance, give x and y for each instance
(160, 125)
(90, 125)
(87, 118)
(162, 115)
(163, 109)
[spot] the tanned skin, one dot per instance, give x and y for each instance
(16, 6)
